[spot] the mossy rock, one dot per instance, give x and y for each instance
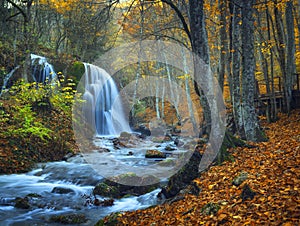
(69, 219)
(238, 180)
(158, 139)
(183, 177)
(125, 136)
(106, 190)
(126, 184)
(110, 220)
(155, 154)
(210, 208)
(22, 203)
(167, 163)
(62, 190)
(170, 148)
(34, 195)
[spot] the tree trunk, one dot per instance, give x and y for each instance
(188, 94)
(265, 69)
(199, 44)
(223, 42)
(290, 57)
(273, 113)
(235, 73)
(281, 50)
(250, 119)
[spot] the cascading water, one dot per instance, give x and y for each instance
(56, 189)
(41, 69)
(7, 77)
(100, 98)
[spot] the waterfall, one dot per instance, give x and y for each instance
(103, 109)
(7, 77)
(41, 69)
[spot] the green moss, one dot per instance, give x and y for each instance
(34, 195)
(166, 163)
(104, 189)
(210, 208)
(110, 220)
(69, 219)
(22, 203)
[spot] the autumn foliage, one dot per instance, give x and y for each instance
(273, 175)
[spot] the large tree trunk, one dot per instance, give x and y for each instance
(250, 119)
(290, 56)
(236, 68)
(200, 48)
(223, 42)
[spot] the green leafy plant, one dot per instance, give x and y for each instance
(27, 124)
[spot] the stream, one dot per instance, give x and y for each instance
(57, 188)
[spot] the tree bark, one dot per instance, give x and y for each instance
(250, 119)
(223, 42)
(290, 56)
(199, 44)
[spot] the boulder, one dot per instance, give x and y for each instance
(145, 131)
(106, 190)
(62, 190)
(178, 142)
(22, 203)
(126, 184)
(155, 154)
(69, 219)
(183, 177)
(170, 148)
(125, 136)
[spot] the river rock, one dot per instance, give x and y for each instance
(69, 219)
(125, 136)
(62, 190)
(126, 184)
(183, 177)
(170, 148)
(178, 142)
(145, 131)
(155, 154)
(22, 203)
(118, 143)
(106, 190)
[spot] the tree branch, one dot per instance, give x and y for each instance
(19, 8)
(181, 17)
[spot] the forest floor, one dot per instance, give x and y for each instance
(20, 151)
(273, 176)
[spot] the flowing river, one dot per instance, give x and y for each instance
(60, 188)
(75, 180)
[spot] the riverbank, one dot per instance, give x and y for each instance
(261, 186)
(36, 126)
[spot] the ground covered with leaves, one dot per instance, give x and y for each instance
(261, 186)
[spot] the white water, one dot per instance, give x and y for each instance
(74, 174)
(41, 69)
(101, 97)
(6, 79)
